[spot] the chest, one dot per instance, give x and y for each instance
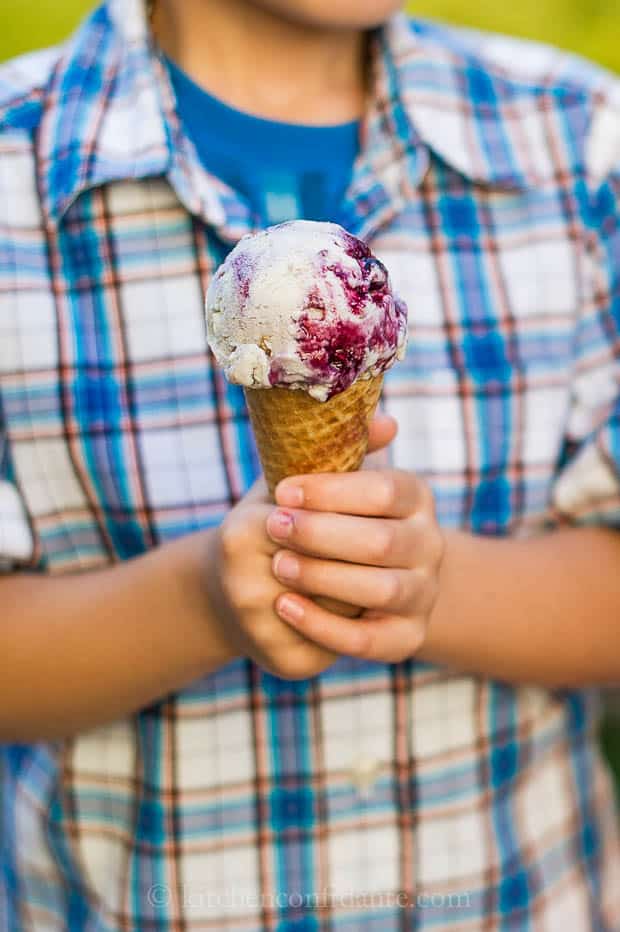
(123, 434)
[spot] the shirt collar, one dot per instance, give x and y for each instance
(473, 114)
(110, 116)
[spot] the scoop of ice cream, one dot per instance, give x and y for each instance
(304, 305)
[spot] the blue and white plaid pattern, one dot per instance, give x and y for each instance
(372, 797)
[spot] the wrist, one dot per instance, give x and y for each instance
(196, 574)
(446, 609)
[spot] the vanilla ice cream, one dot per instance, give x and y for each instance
(304, 305)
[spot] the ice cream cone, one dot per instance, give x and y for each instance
(296, 434)
(303, 316)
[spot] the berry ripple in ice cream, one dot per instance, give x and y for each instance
(304, 305)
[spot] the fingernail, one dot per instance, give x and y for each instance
(291, 495)
(289, 609)
(286, 566)
(280, 524)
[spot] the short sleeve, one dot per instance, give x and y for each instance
(587, 489)
(16, 541)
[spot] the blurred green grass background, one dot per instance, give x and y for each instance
(589, 27)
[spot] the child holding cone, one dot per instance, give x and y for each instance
(190, 739)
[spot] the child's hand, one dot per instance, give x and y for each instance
(243, 590)
(367, 538)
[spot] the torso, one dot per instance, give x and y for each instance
(480, 804)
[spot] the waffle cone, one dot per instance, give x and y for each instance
(297, 434)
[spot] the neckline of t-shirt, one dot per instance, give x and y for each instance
(244, 126)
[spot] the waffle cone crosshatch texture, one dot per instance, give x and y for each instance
(296, 434)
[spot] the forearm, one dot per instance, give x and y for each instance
(541, 610)
(78, 651)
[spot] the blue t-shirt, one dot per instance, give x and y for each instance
(286, 171)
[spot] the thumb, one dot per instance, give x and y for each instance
(382, 430)
(258, 492)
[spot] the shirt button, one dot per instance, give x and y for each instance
(364, 773)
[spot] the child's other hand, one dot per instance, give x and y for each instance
(368, 538)
(243, 590)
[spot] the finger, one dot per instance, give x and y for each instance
(381, 431)
(389, 493)
(371, 541)
(244, 529)
(392, 590)
(386, 639)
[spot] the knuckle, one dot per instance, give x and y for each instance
(384, 492)
(417, 588)
(240, 531)
(420, 521)
(425, 591)
(408, 589)
(382, 542)
(361, 642)
(420, 581)
(250, 596)
(229, 539)
(388, 590)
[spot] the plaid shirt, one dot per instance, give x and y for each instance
(372, 797)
